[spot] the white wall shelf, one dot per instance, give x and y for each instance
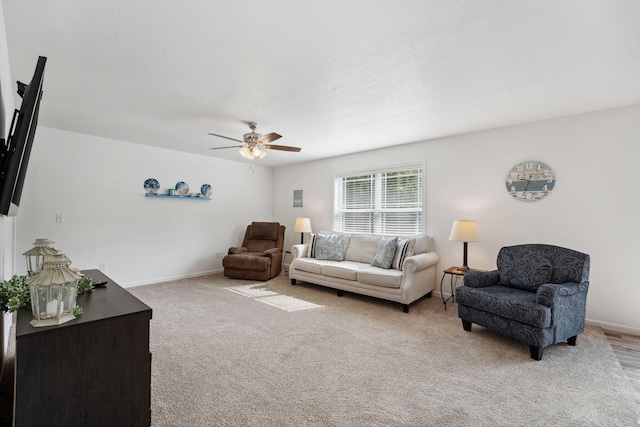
(177, 196)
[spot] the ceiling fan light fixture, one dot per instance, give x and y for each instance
(246, 153)
(256, 145)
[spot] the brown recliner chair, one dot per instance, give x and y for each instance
(260, 256)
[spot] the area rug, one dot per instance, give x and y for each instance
(254, 290)
(260, 294)
(222, 359)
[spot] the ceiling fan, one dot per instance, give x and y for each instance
(254, 144)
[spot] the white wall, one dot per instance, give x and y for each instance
(97, 184)
(7, 105)
(593, 208)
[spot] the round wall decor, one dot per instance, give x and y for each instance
(530, 181)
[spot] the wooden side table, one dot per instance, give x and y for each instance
(285, 265)
(455, 274)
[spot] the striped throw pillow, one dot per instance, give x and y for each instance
(405, 250)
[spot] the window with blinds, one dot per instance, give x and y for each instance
(380, 202)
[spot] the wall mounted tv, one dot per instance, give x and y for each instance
(14, 154)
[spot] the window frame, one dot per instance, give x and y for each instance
(378, 211)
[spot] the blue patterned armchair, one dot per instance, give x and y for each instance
(537, 295)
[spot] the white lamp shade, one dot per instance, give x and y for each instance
(464, 231)
(302, 225)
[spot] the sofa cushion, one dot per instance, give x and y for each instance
(237, 250)
(525, 274)
(362, 248)
(343, 270)
(259, 245)
(508, 302)
(264, 231)
(329, 247)
(310, 265)
(377, 276)
(404, 250)
(247, 261)
(423, 244)
(385, 253)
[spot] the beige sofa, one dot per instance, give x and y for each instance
(411, 275)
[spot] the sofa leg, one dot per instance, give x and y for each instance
(572, 340)
(429, 294)
(340, 293)
(293, 281)
(466, 325)
(405, 308)
(536, 352)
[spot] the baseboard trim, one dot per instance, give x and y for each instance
(614, 327)
(171, 278)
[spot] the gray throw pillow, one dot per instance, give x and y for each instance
(386, 252)
(329, 247)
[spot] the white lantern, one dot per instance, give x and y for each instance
(35, 255)
(53, 292)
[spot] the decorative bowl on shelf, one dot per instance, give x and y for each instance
(206, 190)
(151, 186)
(182, 188)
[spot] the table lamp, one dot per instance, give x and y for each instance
(302, 225)
(464, 231)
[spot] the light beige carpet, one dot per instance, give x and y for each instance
(223, 358)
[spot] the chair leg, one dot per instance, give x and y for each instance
(405, 308)
(466, 325)
(340, 292)
(536, 352)
(572, 340)
(293, 281)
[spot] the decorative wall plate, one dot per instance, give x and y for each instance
(206, 190)
(151, 185)
(530, 181)
(182, 188)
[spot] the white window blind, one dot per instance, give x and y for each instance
(380, 202)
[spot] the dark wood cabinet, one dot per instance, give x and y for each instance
(94, 370)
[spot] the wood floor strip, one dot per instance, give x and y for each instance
(627, 349)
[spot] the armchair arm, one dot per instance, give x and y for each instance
(268, 252)
(551, 294)
(568, 303)
(481, 279)
(236, 250)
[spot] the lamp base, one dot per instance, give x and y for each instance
(464, 268)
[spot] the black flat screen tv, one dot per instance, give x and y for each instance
(15, 153)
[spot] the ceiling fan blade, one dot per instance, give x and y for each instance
(265, 139)
(226, 137)
(282, 147)
(228, 146)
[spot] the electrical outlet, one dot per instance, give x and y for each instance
(60, 218)
(220, 254)
(102, 266)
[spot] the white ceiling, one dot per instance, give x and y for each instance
(331, 76)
